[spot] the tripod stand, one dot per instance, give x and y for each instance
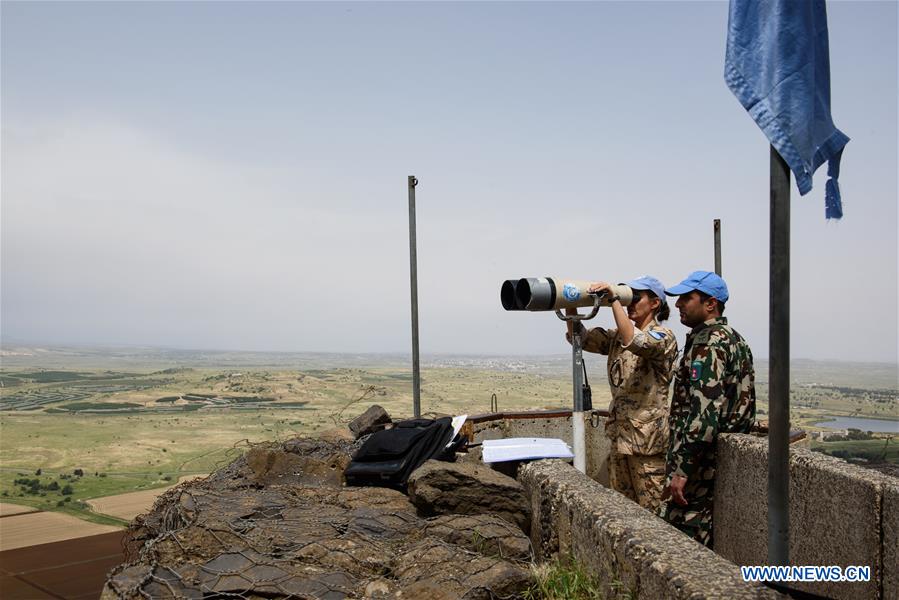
(577, 359)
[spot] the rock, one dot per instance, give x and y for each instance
(337, 434)
(318, 448)
(352, 498)
(435, 570)
(438, 488)
(374, 524)
(266, 526)
(297, 461)
(384, 499)
(271, 466)
(473, 455)
(370, 421)
(485, 534)
(380, 588)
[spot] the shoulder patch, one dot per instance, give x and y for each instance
(696, 370)
(659, 335)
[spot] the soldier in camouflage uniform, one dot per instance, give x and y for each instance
(641, 359)
(714, 392)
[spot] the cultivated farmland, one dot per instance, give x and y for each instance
(127, 506)
(141, 428)
(30, 529)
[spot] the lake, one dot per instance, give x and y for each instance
(879, 425)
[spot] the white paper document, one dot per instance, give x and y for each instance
(524, 449)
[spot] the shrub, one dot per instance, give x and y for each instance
(38, 472)
(67, 490)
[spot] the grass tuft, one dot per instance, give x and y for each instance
(563, 579)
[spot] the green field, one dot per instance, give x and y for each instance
(91, 485)
(147, 425)
(880, 449)
(149, 431)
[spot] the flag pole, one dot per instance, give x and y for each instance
(717, 227)
(779, 366)
(413, 276)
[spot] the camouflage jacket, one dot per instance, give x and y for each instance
(639, 376)
(714, 391)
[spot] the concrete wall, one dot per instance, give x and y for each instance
(890, 531)
(633, 553)
(840, 514)
(597, 444)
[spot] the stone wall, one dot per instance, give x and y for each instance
(890, 530)
(840, 514)
(632, 552)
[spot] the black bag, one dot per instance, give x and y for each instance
(388, 457)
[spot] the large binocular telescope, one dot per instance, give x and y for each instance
(550, 293)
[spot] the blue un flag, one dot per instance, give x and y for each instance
(778, 67)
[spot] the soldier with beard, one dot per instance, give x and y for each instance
(714, 392)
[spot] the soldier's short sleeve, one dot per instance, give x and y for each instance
(706, 369)
(597, 340)
(654, 343)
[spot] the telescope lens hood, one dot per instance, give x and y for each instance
(533, 293)
(507, 295)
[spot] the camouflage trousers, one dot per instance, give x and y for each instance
(639, 477)
(694, 519)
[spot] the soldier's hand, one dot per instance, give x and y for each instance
(600, 287)
(678, 483)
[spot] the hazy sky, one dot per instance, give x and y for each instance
(233, 175)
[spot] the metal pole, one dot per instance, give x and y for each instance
(577, 415)
(577, 380)
(413, 274)
(779, 366)
(717, 227)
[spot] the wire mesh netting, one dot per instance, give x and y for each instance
(277, 523)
